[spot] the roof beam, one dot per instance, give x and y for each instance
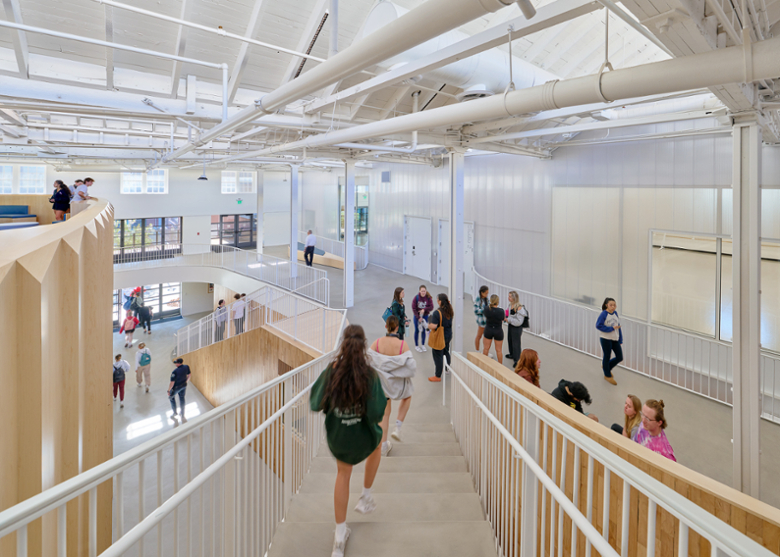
(572, 39)
(181, 45)
(14, 13)
(547, 16)
(12, 117)
(393, 102)
(10, 131)
(241, 59)
(314, 20)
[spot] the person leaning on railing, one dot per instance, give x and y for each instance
(528, 366)
(220, 318)
(632, 409)
(573, 394)
(651, 431)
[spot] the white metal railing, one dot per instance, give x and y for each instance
(218, 485)
(337, 248)
(312, 324)
(688, 361)
(269, 269)
(539, 480)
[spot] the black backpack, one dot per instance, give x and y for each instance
(119, 374)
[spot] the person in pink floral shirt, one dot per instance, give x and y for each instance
(651, 432)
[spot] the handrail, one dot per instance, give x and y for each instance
(684, 510)
(36, 506)
(337, 248)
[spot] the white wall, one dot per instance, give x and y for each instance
(196, 298)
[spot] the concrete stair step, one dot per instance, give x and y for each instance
(395, 464)
(391, 507)
(388, 539)
(426, 437)
(412, 482)
(410, 449)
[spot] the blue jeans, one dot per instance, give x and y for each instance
(609, 346)
(181, 391)
(417, 331)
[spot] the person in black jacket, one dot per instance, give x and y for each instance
(60, 199)
(399, 310)
(573, 394)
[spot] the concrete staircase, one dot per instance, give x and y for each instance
(426, 503)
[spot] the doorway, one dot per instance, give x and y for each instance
(417, 247)
(443, 261)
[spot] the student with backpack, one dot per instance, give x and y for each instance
(129, 323)
(517, 320)
(121, 367)
(398, 309)
(350, 394)
(143, 366)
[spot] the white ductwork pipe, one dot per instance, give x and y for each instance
(709, 69)
(430, 19)
(481, 75)
(689, 104)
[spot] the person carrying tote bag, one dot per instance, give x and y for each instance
(440, 325)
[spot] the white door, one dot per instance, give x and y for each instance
(443, 268)
(417, 247)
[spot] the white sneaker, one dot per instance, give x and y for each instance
(340, 546)
(418, 348)
(424, 348)
(121, 404)
(139, 385)
(147, 389)
(396, 434)
(386, 450)
(365, 505)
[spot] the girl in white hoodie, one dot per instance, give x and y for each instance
(392, 359)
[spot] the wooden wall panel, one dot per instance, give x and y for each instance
(39, 205)
(56, 339)
(757, 520)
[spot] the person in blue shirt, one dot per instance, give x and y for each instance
(611, 335)
(178, 386)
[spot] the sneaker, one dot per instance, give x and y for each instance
(139, 385)
(435, 379)
(365, 504)
(147, 389)
(418, 348)
(424, 348)
(610, 379)
(386, 450)
(121, 404)
(183, 420)
(340, 545)
(114, 399)
(396, 434)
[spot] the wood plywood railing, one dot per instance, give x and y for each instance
(757, 520)
(55, 341)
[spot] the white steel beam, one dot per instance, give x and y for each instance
(242, 59)
(14, 12)
(12, 117)
(746, 304)
(10, 131)
(457, 247)
(181, 45)
(547, 16)
(315, 16)
(349, 233)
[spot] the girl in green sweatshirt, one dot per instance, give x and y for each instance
(350, 394)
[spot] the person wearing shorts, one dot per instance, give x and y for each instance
(494, 328)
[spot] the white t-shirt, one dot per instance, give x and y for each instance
(612, 320)
(311, 241)
(138, 356)
(81, 189)
(238, 308)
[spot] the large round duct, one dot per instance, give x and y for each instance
(486, 72)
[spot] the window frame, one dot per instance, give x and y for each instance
(144, 187)
(10, 179)
(231, 182)
(40, 189)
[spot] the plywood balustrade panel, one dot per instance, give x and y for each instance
(753, 518)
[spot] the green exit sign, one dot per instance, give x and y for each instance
(239, 201)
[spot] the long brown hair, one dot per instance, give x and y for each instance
(397, 295)
(636, 419)
(527, 361)
(351, 378)
(446, 306)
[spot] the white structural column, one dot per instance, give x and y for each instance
(334, 28)
(260, 205)
(746, 259)
(457, 240)
(293, 223)
(349, 234)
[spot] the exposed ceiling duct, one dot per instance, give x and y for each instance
(480, 76)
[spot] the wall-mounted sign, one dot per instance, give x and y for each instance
(239, 201)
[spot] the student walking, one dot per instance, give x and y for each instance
(308, 252)
(143, 366)
(516, 319)
(178, 386)
(220, 318)
(121, 368)
(480, 305)
(608, 324)
(129, 323)
(392, 359)
(399, 310)
(494, 328)
(60, 200)
(350, 394)
(145, 318)
(239, 307)
(422, 306)
(440, 325)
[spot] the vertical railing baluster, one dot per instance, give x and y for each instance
(651, 517)
(62, 530)
(21, 542)
(92, 528)
(624, 520)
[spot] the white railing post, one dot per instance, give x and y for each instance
(530, 493)
(288, 460)
(324, 329)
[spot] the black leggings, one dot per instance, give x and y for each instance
(439, 355)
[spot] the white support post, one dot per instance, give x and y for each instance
(457, 251)
(333, 14)
(349, 234)
(746, 314)
(259, 215)
(293, 224)
(287, 432)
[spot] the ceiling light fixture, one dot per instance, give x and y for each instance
(203, 176)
